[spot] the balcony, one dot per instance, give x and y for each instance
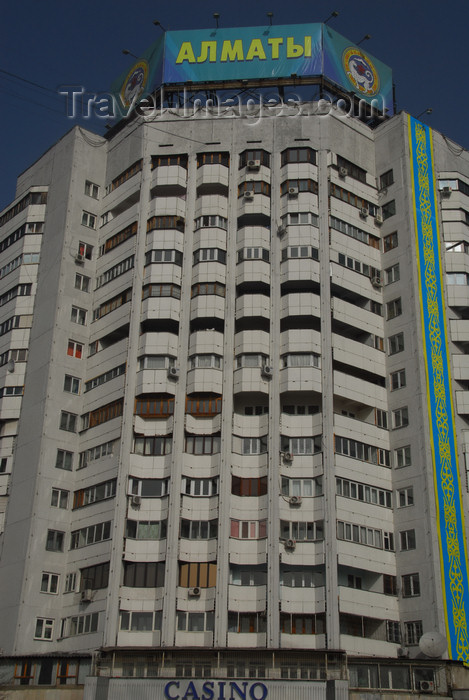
(294, 379)
(211, 204)
(368, 603)
(303, 600)
(169, 176)
(295, 269)
(246, 598)
(249, 305)
(355, 389)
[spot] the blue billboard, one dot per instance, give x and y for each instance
(250, 53)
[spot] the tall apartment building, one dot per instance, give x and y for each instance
(234, 405)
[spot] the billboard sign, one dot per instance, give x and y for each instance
(250, 53)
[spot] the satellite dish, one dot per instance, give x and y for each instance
(433, 644)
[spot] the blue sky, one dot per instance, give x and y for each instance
(52, 43)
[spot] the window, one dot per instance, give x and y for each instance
(125, 175)
(390, 242)
(386, 179)
(381, 418)
(398, 380)
(212, 221)
(303, 251)
(213, 159)
(302, 531)
(82, 283)
(161, 290)
(248, 575)
(203, 405)
(255, 410)
(200, 574)
(199, 487)
(90, 535)
(199, 529)
(300, 218)
(140, 621)
(203, 288)
(83, 624)
(300, 576)
(105, 377)
(195, 621)
(253, 254)
(368, 536)
(119, 238)
(354, 582)
(70, 583)
(392, 274)
(55, 541)
(44, 629)
(301, 487)
(252, 446)
(209, 255)
(353, 199)
(400, 417)
(388, 210)
(413, 632)
(95, 453)
(393, 631)
(243, 623)
(405, 497)
(78, 315)
(389, 584)
(301, 445)
(298, 155)
(359, 450)
(153, 445)
(94, 577)
(354, 232)
(148, 488)
(206, 361)
(254, 154)
(68, 421)
(393, 308)
(59, 498)
(352, 169)
(160, 161)
(302, 624)
(88, 219)
(64, 460)
(402, 457)
(85, 250)
(249, 487)
(116, 271)
(248, 529)
(396, 343)
(202, 444)
(94, 494)
(164, 256)
(71, 384)
(251, 359)
(159, 406)
(75, 349)
(410, 586)
(146, 529)
(298, 186)
(49, 583)
(363, 492)
(407, 538)
(103, 414)
(91, 189)
(300, 359)
(300, 410)
(112, 304)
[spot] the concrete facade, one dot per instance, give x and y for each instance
(217, 435)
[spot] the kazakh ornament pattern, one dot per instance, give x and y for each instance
(447, 488)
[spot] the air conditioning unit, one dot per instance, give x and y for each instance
(267, 371)
(86, 595)
(403, 652)
(79, 258)
(343, 172)
(173, 372)
(293, 191)
(290, 544)
(254, 164)
(193, 592)
(281, 231)
(379, 219)
(427, 686)
(295, 500)
(136, 500)
(377, 282)
(249, 194)
(364, 212)
(446, 191)
(287, 457)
